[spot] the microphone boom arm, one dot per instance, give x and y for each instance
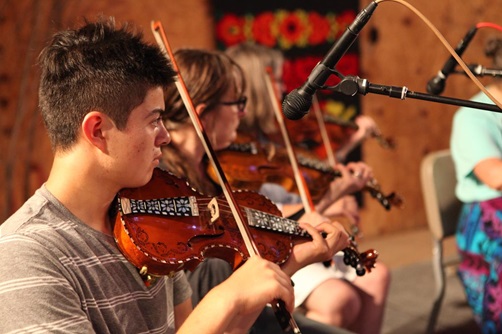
(481, 71)
(352, 85)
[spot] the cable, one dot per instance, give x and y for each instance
(450, 48)
(489, 25)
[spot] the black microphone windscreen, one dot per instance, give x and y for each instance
(296, 105)
(436, 85)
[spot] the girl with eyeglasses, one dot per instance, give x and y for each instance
(332, 295)
(216, 86)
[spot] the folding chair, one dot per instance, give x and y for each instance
(437, 175)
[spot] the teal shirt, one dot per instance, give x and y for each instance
(476, 136)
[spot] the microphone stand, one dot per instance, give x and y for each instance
(481, 71)
(352, 85)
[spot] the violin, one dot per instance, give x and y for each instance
(248, 165)
(305, 133)
(167, 226)
(351, 127)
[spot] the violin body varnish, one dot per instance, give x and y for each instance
(167, 226)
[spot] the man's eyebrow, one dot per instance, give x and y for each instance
(157, 111)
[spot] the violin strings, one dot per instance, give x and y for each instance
(226, 209)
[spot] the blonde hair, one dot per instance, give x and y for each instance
(254, 59)
(208, 75)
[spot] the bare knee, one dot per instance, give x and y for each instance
(334, 302)
(375, 283)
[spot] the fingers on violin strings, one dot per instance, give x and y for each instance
(314, 232)
(336, 232)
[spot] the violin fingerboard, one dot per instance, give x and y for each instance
(317, 165)
(244, 147)
(270, 222)
(174, 206)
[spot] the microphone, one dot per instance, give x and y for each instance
(481, 71)
(297, 103)
(436, 84)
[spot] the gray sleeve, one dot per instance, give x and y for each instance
(278, 194)
(182, 290)
(35, 294)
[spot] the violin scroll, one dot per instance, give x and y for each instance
(385, 142)
(361, 262)
(387, 201)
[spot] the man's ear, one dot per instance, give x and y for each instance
(95, 127)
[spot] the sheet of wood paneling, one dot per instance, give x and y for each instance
(399, 49)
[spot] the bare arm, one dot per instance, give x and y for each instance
(181, 312)
(488, 171)
(290, 209)
(367, 127)
(234, 305)
(344, 207)
(354, 177)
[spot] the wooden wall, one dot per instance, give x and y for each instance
(25, 27)
(397, 49)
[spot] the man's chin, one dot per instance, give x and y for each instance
(142, 182)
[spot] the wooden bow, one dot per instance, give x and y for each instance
(285, 319)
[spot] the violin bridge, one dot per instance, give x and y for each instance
(213, 210)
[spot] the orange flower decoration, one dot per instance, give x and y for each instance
(230, 30)
(262, 29)
(320, 28)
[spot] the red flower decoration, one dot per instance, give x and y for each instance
(343, 21)
(292, 28)
(262, 29)
(320, 28)
(296, 71)
(349, 64)
(230, 30)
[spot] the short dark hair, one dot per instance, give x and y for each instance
(96, 67)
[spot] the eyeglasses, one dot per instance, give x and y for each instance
(240, 103)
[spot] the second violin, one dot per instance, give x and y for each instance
(249, 165)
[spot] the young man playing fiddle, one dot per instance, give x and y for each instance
(101, 97)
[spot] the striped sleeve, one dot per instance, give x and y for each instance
(35, 293)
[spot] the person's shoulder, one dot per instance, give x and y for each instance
(29, 214)
(467, 114)
(40, 220)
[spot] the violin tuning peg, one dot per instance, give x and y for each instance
(360, 271)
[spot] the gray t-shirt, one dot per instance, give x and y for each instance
(59, 275)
